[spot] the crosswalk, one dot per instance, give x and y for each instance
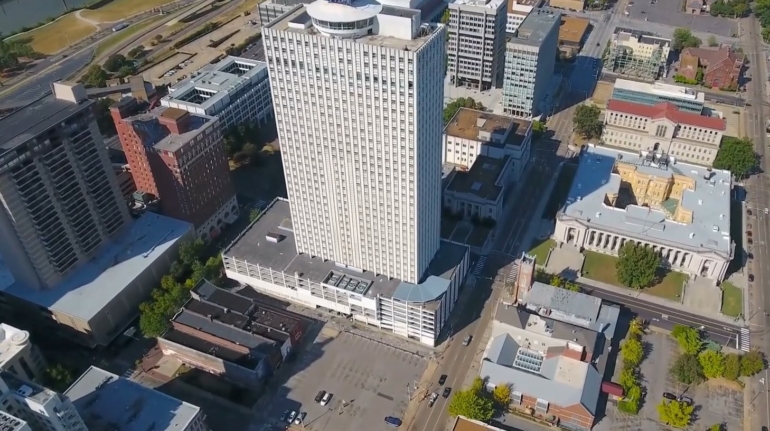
(479, 268)
(745, 342)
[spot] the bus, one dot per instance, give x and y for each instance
(120, 26)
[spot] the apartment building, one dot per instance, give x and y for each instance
(473, 133)
(640, 54)
(265, 257)
(235, 89)
(25, 406)
(663, 128)
(684, 208)
(61, 200)
(107, 401)
(644, 93)
(178, 157)
(476, 44)
(517, 11)
(232, 335)
(342, 156)
(530, 57)
(19, 356)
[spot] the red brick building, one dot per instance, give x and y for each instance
(721, 67)
(179, 157)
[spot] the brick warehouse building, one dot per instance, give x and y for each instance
(179, 157)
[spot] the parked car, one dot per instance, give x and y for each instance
(394, 422)
(326, 398)
(748, 212)
(442, 380)
(467, 340)
(751, 278)
(751, 241)
(300, 418)
(669, 396)
(292, 416)
(686, 400)
(447, 391)
(749, 233)
(320, 396)
(284, 416)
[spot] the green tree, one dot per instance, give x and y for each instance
(95, 76)
(637, 265)
(686, 369)
(675, 413)
(627, 378)
(213, 269)
(632, 351)
(478, 385)
(689, 339)
(737, 156)
(636, 327)
(716, 427)
(586, 121)
(191, 251)
(501, 395)
(178, 271)
(114, 62)
(712, 41)
(462, 102)
(732, 364)
(58, 377)
(752, 363)
(538, 128)
(445, 16)
(254, 214)
(683, 38)
(713, 364)
(136, 52)
(740, 9)
(699, 76)
(472, 404)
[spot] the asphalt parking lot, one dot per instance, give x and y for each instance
(368, 380)
(669, 12)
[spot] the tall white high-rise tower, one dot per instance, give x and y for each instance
(358, 94)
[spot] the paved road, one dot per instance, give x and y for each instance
(758, 198)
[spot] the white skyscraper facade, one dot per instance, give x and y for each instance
(357, 89)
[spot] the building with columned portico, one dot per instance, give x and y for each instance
(680, 210)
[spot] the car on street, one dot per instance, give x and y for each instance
(748, 212)
(467, 340)
(749, 233)
(433, 398)
(300, 418)
(284, 416)
(394, 422)
(326, 398)
(751, 241)
(447, 391)
(750, 255)
(669, 396)
(292, 416)
(751, 278)
(748, 226)
(442, 380)
(320, 396)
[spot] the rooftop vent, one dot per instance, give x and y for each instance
(692, 234)
(24, 391)
(480, 122)
(598, 214)
(721, 216)
(275, 238)
(700, 201)
(715, 228)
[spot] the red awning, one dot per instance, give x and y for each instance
(612, 389)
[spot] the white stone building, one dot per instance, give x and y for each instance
(26, 406)
(18, 355)
(686, 136)
(680, 210)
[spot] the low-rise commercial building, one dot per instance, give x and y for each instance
(551, 348)
(479, 193)
(97, 301)
(517, 11)
(230, 335)
(681, 211)
(19, 356)
(640, 54)
(572, 33)
(265, 257)
(688, 137)
(236, 90)
(473, 133)
(27, 406)
(646, 93)
(107, 401)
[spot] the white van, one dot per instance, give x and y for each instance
(325, 400)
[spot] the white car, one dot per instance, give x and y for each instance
(292, 416)
(300, 418)
(325, 400)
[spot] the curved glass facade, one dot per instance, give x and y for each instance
(338, 26)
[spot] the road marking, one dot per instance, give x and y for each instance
(745, 340)
(477, 270)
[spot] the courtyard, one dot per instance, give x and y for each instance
(368, 379)
(601, 267)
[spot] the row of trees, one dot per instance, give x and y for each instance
(696, 364)
(762, 11)
(556, 280)
(462, 102)
(586, 121)
(698, 80)
(478, 403)
(632, 352)
(12, 51)
(174, 289)
(730, 8)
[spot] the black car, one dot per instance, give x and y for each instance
(751, 278)
(669, 396)
(442, 380)
(320, 396)
(447, 391)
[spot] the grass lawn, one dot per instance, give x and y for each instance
(540, 250)
(120, 9)
(121, 36)
(601, 267)
(732, 300)
(58, 35)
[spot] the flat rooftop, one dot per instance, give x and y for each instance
(641, 36)
(11, 343)
(92, 286)
(572, 29)
(299, 21)
(709, 202)
(27, 389)
(253, 247)
(536, 27)
(107, 402)
(245, 360)
(158, 136)
(462, 424)
(482, 178)
(10, 423)
(225, 326)
(483, 4)
(468, 123)
(35, 118)
(662, 89)
(213, 83)
(518, 7)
